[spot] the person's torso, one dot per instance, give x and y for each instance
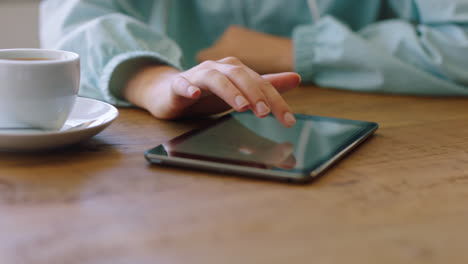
(196, 24)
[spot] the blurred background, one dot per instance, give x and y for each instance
(19, 24)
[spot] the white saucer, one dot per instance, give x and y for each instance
(87, 118)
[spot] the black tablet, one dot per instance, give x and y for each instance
(241, 143)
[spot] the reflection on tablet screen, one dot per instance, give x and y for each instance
(243, 139)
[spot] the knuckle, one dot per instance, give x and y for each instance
(179, 82)
(236, 70)
(277, 101)
(211, 73)
(224, 85)
(265, 85)
(232, 60)
(202, 75)
(207, 64)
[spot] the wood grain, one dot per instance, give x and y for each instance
(399, 198)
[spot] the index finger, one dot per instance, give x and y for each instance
(278, 105)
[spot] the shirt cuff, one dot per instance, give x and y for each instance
(315, 42)
(120, 68)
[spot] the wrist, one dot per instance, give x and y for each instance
(146, 83)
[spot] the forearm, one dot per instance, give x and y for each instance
(278, 55)
(264, 53)
(284, 58)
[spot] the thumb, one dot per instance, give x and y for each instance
(183, 94)
(284, 81)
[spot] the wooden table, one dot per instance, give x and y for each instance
(400, 198)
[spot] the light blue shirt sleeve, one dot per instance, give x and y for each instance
(111, 37)
(425, 57)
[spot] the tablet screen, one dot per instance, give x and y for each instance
(245, 140)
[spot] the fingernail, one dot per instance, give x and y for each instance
(241, 102)
(193, 90)
(289, 118)
(262, 108)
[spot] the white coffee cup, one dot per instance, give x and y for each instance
(38, 87)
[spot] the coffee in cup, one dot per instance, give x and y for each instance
(38, 87)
